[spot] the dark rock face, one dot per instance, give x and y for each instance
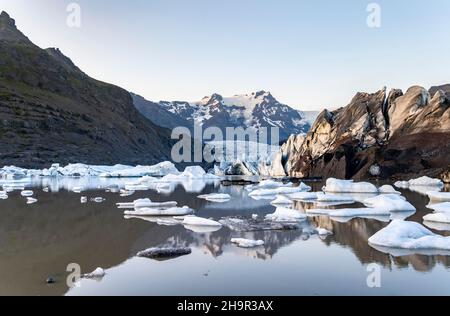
(405, 135)
(50, 111)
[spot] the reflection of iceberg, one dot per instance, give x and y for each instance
(202, 229)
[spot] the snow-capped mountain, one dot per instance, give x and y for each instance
(257, 110)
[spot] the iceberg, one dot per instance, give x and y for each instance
(283, 214)
(159, 170)
(437, 226)
(27, 193)
(247, 243)
(174, 211)
(348, 186)
(304, 196)
(409, 235)
(31, 200)
(146, 203)
(96, 274)
(438, 218)
(282, 200)
(440, 208)
(390, 203)
(439, 196)
(334, 198)
(388, 189)
(199, 221)
(402, 184)
(215, 197)
(83, 199)
(426, 181)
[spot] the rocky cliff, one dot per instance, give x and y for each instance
(50, 111)
(379, 134)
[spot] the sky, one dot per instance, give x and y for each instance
(310, 54)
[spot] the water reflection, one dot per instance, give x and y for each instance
(40, 240)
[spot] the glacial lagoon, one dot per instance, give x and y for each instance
(38, 241)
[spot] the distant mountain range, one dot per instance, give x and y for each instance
(255, 110)
(50, 111)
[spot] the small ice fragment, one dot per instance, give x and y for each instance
(84, 199)
(96, 274)
(282, 200)
(46, 189)
(323, 232)
(27, 193)
(199, 221)
(31, 200)
(255, 217)
(77, 190)
(247, 243)
(98, 200)
(215, 197)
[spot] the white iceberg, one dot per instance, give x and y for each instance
(437, 226)
(98, 199)
(439, 196)
(159, 170)
(174, 211)
(215, 197)
(440, 208)
(27, 193)
(390, 203)
(77, 189)
(146, 203)
(282, 200)
(402, 184)
(409, 235)
(96, 274)
(334, 198)
(270, 184)
(304, 196)
(283, 214)
(247, 243)
(199, 221)
(348, 186)
(31, 200)
(3, 195)
(388, 189)
(438, 218)
(426, 181)
(83, 199)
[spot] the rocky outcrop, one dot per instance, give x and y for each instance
(379, 134)
(50, 111)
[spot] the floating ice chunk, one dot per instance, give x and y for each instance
(388, 189)
(437, 226)
(426, 181)
(282, 200)
(350, 212)
(323, 232)
(283, 214)
(125, 193)
(390, 203)
(274, 192)
(439, 196)
(136, 187)
(147, 203)
(83, 199)
(31, 200)
(438, 217)
(199, 221)
(161, 253)
(303, 196)
(215, 197)
(202, 229)
(3, 195)
(96, 274)
(409, 235)
(46, 190)
(270, 184)
(77, 189)
(348, 186)
(402, 184)
(334, 198)
(174, 211)
(247, 243)
(159, 170)
(440, 208)
(98, 200)
(27, 193)
(255, 216)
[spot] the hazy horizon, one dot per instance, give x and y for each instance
(309, 55)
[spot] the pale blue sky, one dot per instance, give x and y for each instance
(309, 54)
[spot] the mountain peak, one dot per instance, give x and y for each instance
(262, 93)
(9, 31)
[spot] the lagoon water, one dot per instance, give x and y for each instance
(40, 240)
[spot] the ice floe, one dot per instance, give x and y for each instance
(27, 193)
(409, 235)
(282, 200)
(173, 211)
(438, 217)
(283, 214)
(98, 199)
(437, 226)
(304, 196)
(83, 199)
(277, 191)
(388, 189)
(159, 170)
(31, 200)
(334, 198)
(215, 197)
(389, 203)
(349, 186)
(247, 243)
(440, 207)
(426, 181)
(439, 196)
(147, 203)
(96, 274)
(199, 221)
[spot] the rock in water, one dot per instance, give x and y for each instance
(162, 253)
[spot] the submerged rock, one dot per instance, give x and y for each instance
(162, 253)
